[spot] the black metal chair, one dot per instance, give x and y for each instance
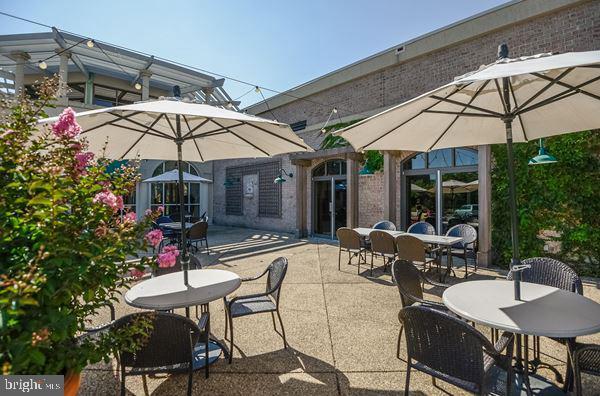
(413, 249)
(421, 227)
(350, 241)
(385, 225)
(409, 281)
(258, 303)
(550, 272)
(198, 233)
(384, 246)
(467, 247)
(448, 348)
(586, 359)
(167, 348)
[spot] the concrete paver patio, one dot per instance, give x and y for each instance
(341, 328)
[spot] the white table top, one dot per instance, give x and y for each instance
(176, 225)
(433, 239)
(543, 311)
(168, 291)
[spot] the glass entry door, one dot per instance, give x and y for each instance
(329, 203)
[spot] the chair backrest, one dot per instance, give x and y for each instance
(410, 248)
(448, 346)
(408, 280)
(198, 230)
(164, 219)
(348, 238)
(550, 272)
(467, 232)
(421, 227)
(169, 339)
(385, 225)
(277, 271)
(382, 242)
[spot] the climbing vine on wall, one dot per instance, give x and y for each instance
(558, 204)
(373, 161)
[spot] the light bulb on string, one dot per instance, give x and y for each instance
(257, 89)
(90, 43)
(334, 110)
(42, 65)
(138, 86)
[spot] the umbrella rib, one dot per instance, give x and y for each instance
(199, 152)
(458, 116)
(275, 135)
(413, 117)
(141, 137)
(512, 93)
(573, 90)
(105, 123)
(137, 130)
(544, 89)
(241, 138)
(571, 87)
(142, 125)
(506, 109)
(207, 133)
(170, 125)
(456, 102)
(195, 128)
(465, 114)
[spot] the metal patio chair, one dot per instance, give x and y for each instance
(550, 272)
(586, 359)
(448, 348)
(415, 250)
(198, 233)
(350, 241)
(385, 225)
(421, 227)
(409, 281)
(258, 303)
(382, 245)
(467, 247)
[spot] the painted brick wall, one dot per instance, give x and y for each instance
(370, 191)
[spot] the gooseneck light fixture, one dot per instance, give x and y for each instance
(280, 179)
(543, 157)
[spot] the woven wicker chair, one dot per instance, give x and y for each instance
(258, 303)
(421, 227)
(384, 246)
(410, 282)
(550, 272)
(447, 348)
(413, 249)
(350, 241)
(467, 247)
(198, 233)
(586, 359)
(385, 225)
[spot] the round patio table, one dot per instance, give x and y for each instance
(542, 311)
(166, 292)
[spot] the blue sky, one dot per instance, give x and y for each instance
(276, 44)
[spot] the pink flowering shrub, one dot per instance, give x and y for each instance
(168, 257)
(154, 237)
(65, 245)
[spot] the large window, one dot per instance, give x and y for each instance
(447, 174)
(167, 194)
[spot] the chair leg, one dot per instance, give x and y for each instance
(206, 351)
(231, 330)
(399, 339)
(207, 249)
(339, 259)
(466, 264)
(273, 317)
(282, 329)
(226, 317)
(122, 380)
(190, 376)
(407, 386)
(372, 264)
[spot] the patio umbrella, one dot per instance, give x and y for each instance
(510, 100)
(173, 176)
(197, 132)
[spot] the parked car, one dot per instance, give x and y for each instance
(467, 211)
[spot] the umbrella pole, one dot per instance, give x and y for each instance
(184, 252)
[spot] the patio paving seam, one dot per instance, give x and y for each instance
(337, 379)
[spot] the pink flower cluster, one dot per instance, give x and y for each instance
(154, 237)
(109, 199)
(168, 257)
(82, 160)
(66, 127)
(130, 217)
(136, 273)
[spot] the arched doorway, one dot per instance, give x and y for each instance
(329, 197)
(441, 187)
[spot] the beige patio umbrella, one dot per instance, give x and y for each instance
(510, 100)
(172, 129)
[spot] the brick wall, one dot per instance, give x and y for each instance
(370, 204)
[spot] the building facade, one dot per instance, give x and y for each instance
(93, 75)
(328, 188)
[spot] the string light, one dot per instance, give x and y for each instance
(257, 89)
(324, 128)
(138, 86)
(90, 43)
(42, 65)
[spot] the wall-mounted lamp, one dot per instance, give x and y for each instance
(280, 179)
(543, 157)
